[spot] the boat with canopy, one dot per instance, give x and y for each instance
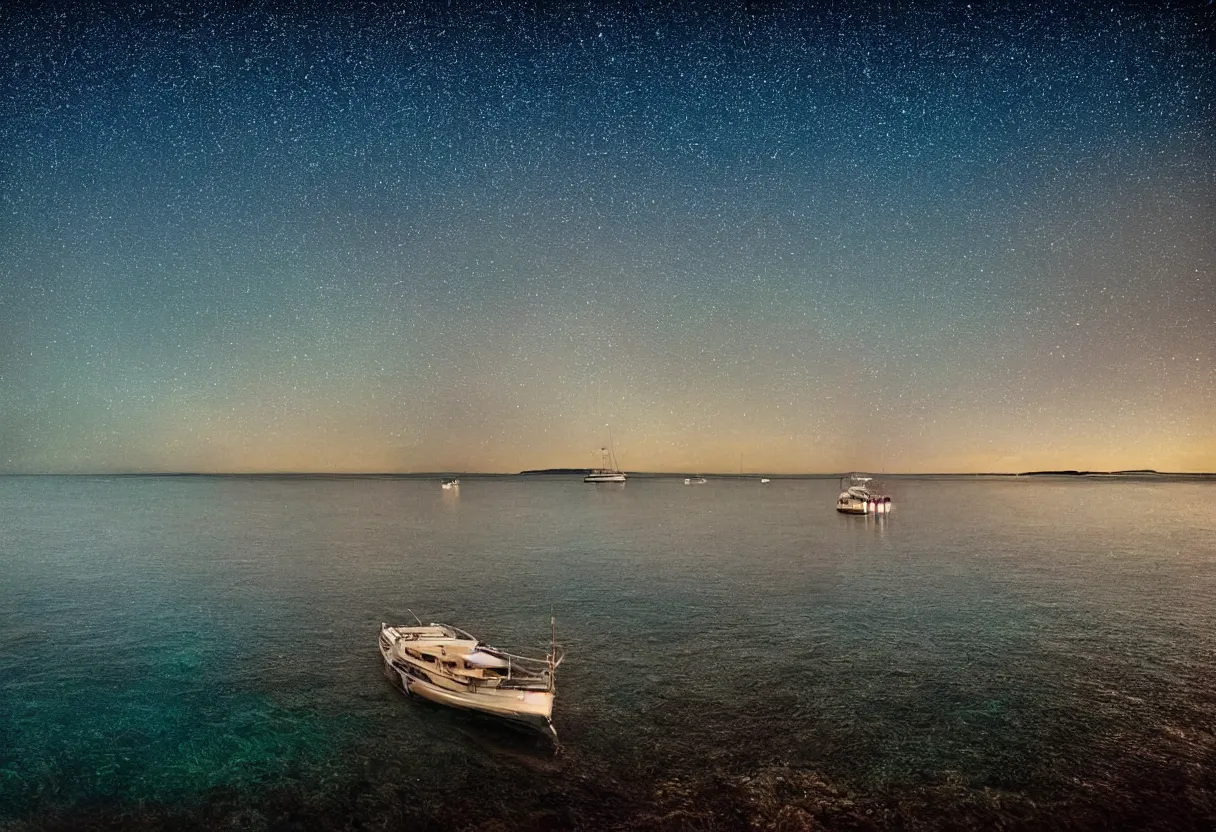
(858, 497)
(447, 665)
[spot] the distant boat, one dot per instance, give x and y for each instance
(608, 471)
(765, 479)
(448, 666)
(856, 497)
(694, 480)
(449, 482)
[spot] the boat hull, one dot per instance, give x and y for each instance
(604, 478)
(877, 506)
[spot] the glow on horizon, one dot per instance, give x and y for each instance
(350, 455)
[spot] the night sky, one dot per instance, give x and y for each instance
(878, 236)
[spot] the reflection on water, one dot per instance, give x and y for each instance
(993, 653)
(873, 524)
(451, 497)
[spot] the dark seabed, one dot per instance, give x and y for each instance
(201, 653)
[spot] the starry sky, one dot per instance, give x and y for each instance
(896, 237)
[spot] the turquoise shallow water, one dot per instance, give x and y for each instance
(180, 652)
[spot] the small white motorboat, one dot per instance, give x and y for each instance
(448, 483)
(765, 479)
(451, 667)
(857, 497)
(694, 480)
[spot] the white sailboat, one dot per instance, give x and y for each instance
(609, 470)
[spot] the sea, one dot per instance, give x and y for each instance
(195, 652)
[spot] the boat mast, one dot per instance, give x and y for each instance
(612, 450)
(552, 652)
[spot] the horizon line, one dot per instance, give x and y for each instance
(577, 471)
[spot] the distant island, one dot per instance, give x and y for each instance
(1085, 473)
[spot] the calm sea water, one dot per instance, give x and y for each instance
(180, 652)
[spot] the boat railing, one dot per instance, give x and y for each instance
(531, 661)
(531, 669)
(527, 660)
(523, 667)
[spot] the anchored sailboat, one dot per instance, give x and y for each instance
(609, 470)
(451, 667)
